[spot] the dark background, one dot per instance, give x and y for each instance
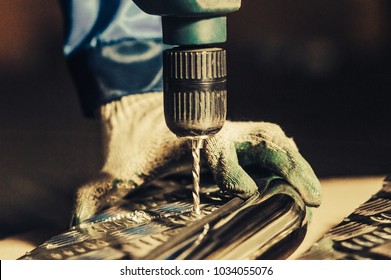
(320, 69)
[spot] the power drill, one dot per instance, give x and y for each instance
(194, 71)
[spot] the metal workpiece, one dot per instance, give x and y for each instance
(158, 222)
(364, 234)
(195, 90)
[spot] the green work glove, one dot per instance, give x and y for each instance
(140, 148)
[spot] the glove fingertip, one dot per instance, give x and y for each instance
(308, 185)
(315, 197)
(227, 171)
(82, 212)
(239, 183)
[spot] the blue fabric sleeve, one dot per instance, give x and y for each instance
(113, 49)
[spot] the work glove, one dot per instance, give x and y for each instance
(140, 148)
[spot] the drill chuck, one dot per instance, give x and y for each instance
(195, 90)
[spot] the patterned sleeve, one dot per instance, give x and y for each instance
(113, 49)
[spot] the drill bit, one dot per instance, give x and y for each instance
(196, 145)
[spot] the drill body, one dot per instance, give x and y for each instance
(194, 71)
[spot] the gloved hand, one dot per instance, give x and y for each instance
(140, 148)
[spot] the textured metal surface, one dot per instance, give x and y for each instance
(365, 234)
(159, 223)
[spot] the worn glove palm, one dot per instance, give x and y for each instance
(140, 148)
